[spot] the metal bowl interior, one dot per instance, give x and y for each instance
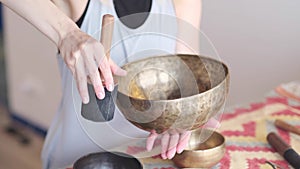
(108, 160)
(200, 154)
(172, 91)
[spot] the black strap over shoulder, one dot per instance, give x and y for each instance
(129, 7)
(80, 20)
(125, 8)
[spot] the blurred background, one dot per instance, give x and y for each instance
(258, 40)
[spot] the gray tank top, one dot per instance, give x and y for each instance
(70, 135)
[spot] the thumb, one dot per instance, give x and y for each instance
(212, 123)
(116, 70)
(151, 139)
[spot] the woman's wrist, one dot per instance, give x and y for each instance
(64, 30)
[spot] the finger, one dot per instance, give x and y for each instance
(100, 53)
(116, 70)
(107, 74)
(89, 80)
(81, 80)
(164, 145)
(183, 141)
(104, 67)
(151, 139)
(212, 123)
(94, 76)
(173, 145)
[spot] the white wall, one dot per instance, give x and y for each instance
(258, 39)
(33, 79)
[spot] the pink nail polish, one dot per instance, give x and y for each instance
(101, 95)
(110, 87)
(85, 100)
(180, 150)
(148, 148)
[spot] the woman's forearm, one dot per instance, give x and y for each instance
(188, 13)
(45, 16)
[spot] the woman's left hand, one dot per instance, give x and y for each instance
(172, 142)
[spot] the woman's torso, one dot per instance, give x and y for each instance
(71, 136)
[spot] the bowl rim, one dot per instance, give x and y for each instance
(226, 78)
(222, 144)
(108, 152)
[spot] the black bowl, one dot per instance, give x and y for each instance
(108, 160)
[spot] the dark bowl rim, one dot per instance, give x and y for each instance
(112, 152)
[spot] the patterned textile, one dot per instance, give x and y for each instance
(245, 130)
(290, 90)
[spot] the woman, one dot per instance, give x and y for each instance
(67, 138)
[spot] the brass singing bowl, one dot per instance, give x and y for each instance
(107, 160)
(172, 91)
(199, 154)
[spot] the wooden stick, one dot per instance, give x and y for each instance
(106, 33)
(285, 126)
(106, 106)
(284, 149)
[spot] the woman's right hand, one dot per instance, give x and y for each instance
(86, 58)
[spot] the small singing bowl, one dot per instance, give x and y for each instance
(201, 154)
(107, 160)
(172, 91)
